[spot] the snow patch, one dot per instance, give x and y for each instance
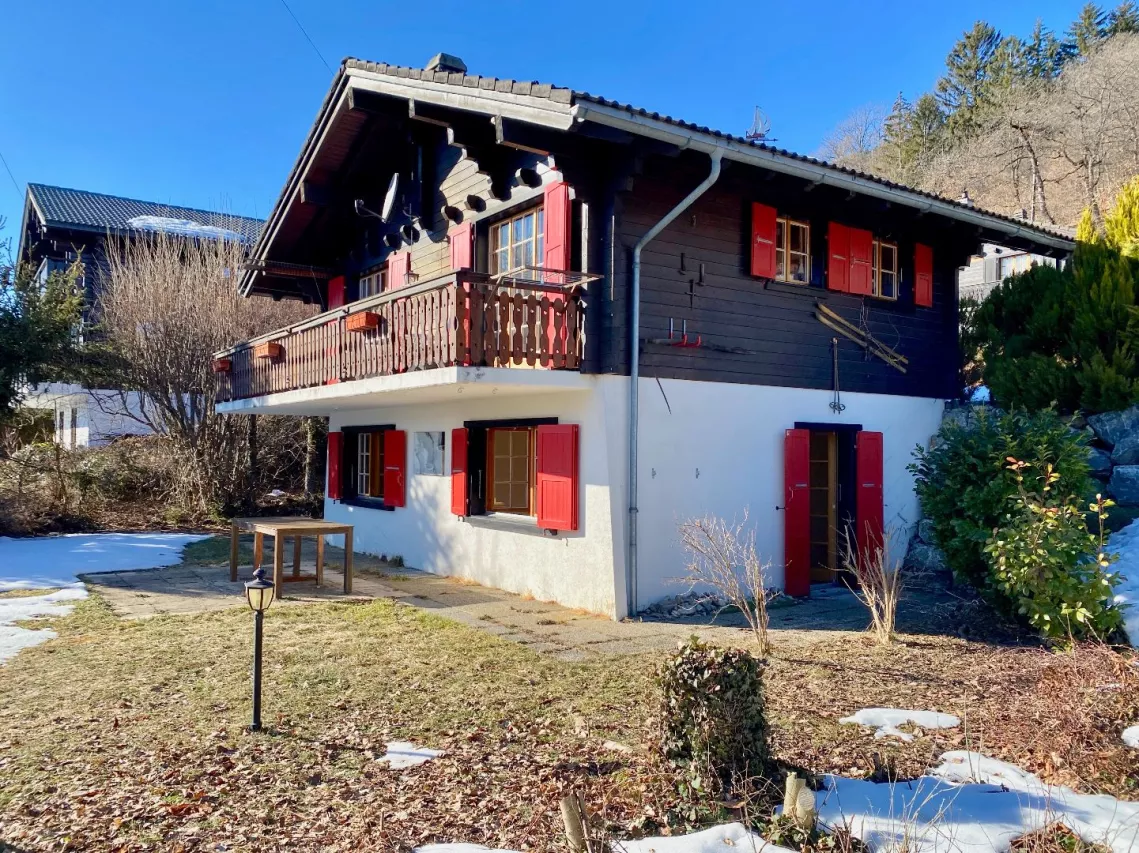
(1131, 737)
(54, 561)
(402, 754)
(1125, 543)
(718, 839)
(887, 721)
(459, 848)
(972, 804)
(184, 227)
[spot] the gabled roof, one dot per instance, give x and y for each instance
(82, 210)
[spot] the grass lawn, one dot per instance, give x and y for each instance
(130, 735)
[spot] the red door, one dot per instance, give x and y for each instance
(797, 512)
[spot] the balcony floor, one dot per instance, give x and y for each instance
(405, 389)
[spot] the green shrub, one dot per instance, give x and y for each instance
(966, 487)
(713, 727)
(1048, 564)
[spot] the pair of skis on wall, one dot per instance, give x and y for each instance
(861, 337)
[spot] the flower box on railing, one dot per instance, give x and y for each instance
(363, 321)
(270, 350)
(223, 365)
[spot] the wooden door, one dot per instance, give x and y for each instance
(824, 506)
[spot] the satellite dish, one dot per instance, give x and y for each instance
(389, 198)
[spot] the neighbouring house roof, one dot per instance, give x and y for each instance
(562, 108)
(82, 210)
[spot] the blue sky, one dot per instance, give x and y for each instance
(206, 104)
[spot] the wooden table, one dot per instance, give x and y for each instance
(281, 529)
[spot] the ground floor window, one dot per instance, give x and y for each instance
(510, 469)
(364, 465)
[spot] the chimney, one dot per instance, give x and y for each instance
(446, 62)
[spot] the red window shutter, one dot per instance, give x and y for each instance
(395, 467)
(838, 257)
(459, 472)
(335, 292)
(557, 476)
(861, 276)
(335, 454)
(556, 238)
(923, 275)
(763, 230)
(797, 512)
(398, 267)
(462, 246)
(868, 503)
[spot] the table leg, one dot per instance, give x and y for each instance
(258, 549)
(320, 560)
(348, 563)
(279, 563)
(296, 556)
(233, 553)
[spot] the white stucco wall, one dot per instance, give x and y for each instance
(581, 569)
(720, 450)
(102, 415)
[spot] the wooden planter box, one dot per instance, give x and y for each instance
(363, 321)
(223, 365)
(271, 350)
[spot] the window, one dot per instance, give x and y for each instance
(517, 242)
(62, 426)
(884, 260)
(74, 425)
(373, 284)
(1014, 264)
(510, 470)
(792, 251)
(364, 462)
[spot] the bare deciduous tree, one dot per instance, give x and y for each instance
(879, 583)
(856, 136)
(723, 556)
(167, 305)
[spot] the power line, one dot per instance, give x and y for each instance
(308, 38)
(15, 183)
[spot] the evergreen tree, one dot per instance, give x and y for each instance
(1124, 19)
(1088, 31)
(981, 60)
(912, 133)
(1121, 224)
(1043, 55)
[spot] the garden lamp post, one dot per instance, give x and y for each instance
(259, 594)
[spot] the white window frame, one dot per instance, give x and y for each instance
(373, 284)
(364, 463)
(783, 226)
(530, 249)
(876, 278)
(1020, 262)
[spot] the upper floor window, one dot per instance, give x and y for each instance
(884, 262)
(373, 283)
(792, 251)
(517, 242)
(1013, 264)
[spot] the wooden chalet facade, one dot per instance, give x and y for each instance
(791, 327)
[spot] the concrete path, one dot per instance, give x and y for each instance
(544, 627)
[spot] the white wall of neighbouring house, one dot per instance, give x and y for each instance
(101, 415)
(582, 569)
(717, 448)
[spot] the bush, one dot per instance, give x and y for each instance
(1047, 563)
(966, 487)
(713, 727)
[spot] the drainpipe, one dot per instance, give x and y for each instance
(635, 367)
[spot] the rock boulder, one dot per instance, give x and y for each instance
(1126, 450)
(1124, 485)
(1112, 427)
(1099, 463)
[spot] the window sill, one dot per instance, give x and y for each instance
(368, 503)
(807, 290)
(527, 525)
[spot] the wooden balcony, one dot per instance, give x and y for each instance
(461, 319)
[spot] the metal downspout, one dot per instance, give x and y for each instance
(635, 367)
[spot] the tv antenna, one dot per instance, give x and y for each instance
(760, 128)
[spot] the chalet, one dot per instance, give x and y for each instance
(555, 326)
(61, 226)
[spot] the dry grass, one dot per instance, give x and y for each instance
(26, 593)
(130, 735)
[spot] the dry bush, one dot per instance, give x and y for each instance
(879, 583)
(168, 304)
(723, 556)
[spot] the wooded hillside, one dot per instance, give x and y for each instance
(1044, 124)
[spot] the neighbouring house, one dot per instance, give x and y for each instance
(61, 226)
(555, 326)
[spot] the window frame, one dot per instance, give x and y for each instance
(531, 509)
(350, 466)
(536, 241)
(367, 282)
(478, 481)
(1014, 257)
(783, 251)
(876, 269)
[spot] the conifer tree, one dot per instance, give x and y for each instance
(1088, 31)
(1123, 19)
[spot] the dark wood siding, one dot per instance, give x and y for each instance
(774, 324)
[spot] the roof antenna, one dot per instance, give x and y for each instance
(760, 128)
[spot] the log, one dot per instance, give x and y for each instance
(573, 816)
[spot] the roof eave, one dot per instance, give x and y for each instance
(815, 172)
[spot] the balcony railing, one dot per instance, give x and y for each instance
(461, 319)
